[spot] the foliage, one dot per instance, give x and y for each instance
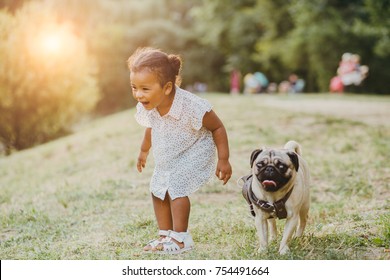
(43, 88)
(320, 32)
(12, 5)
(234, 38)
(377, 24)
(275, 37)
(302, 36)
(127, 25)
(314, 46)
(373, 34)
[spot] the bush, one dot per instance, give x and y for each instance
(46, 77)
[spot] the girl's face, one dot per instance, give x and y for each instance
(148, 91)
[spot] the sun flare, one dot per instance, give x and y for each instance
(52, 43)
(53, 40)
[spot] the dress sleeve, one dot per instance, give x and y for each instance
(142, 116)
(199, 110)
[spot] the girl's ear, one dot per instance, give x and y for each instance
(168, 88)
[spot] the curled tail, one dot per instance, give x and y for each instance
(294, 146)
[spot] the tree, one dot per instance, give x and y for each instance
(46, 77)
(318, 32)
(230, 29)
(127, 25)
(306, 37)
(372, 29)
(12, 5)
(276, 21)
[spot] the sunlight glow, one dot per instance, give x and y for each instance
(52, 43)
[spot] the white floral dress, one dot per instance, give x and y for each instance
(184, 151)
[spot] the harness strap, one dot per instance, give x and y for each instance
(245, 192)
(277, 208)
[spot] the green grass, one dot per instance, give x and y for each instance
(80, 197)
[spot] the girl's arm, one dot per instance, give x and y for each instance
(145, 147)
(215, 125)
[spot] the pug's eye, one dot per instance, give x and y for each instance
(282, 167)
(260, 164)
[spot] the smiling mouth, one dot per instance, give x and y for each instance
(145, 103)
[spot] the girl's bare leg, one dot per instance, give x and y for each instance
(162, 210)
(180, 208)
(172, 214)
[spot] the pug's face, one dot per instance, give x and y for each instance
(274, 168)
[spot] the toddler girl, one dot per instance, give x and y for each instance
(185, 133)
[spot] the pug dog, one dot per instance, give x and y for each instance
(278, 187)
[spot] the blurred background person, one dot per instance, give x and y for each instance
(235, 81)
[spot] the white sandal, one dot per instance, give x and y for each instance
(169, 246)
(153, 243)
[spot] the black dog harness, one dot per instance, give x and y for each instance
(277, 208)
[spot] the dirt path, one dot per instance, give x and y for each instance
(372, 112)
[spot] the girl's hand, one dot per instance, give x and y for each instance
(224, 170)
(141, 162)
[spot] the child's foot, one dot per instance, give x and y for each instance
(175, 243)
(151, 246)
(163, 243)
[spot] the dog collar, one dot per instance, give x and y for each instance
(277, 208)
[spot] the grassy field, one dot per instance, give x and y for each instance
(80, 197)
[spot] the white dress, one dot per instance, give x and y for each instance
(184, 151)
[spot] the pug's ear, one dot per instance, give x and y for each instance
(254, 155)
(294, 159)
